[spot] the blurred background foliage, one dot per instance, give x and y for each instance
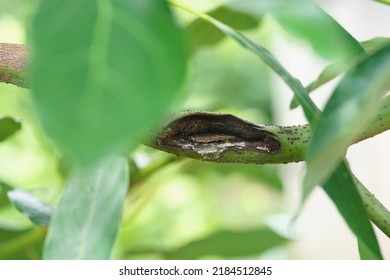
(176, 208)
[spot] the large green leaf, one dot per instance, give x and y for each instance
(37, 211)
(353, 102)
(8, 126)
(201, 33)
(103, 71)
(85, 223)
(342, 190)
(230, 244)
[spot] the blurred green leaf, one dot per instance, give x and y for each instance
(366, 253)
(353, 102)
(310, 109)
(230, 244)
(201, 33)
(85, 223)
(6, 235)
(375, 44)
(4, 188)
(104, 71)
(8, 126)
(267, 174)
(335, 69)
(387, 2)
(329, 73)
(17, 8)
(37, 211)
(304, 19)
(21, 245)
(342, 190)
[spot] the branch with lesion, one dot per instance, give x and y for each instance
(225, 138)
(208, 136)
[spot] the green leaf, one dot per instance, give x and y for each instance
(103, 71)
(230, 244)
(21, 245)
(85, 223)
(310, 109)
(325, 35)
(387, 2)
(306, 20)
(375, 44)
(4, 188)
(8, 126)
(6, 235)
(337, 68)
(38, 212)
(201, 33)
(353, 102)
(329, 73)
(267, 174)
(342, 190)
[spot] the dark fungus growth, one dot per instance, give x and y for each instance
(208, 133)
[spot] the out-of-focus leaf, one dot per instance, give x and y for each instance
(353, 102)
(4, 188)
(329, 73)
(103, 72)
(37, 211)
(335, 69)
(6, 235)
(375, 44)
(267, 174)
(342, 190)
(201, 33)
(383, 1)
(85, 223)
(230, 244)
(310, 109)
(17, 8)
(8, 126)
(304, 19)
(21, 245)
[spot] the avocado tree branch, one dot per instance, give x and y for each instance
(13, 64)
(223, 137)
(226, 138)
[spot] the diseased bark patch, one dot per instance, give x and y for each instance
(209, 135)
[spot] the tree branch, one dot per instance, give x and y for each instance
(225, 138)
(205, 139)
(13, 64)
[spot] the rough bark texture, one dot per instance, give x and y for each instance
(13, 64)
